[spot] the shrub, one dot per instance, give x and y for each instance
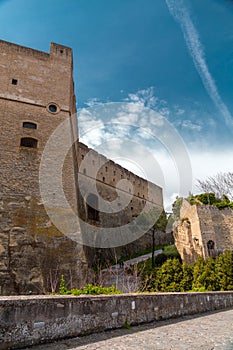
(92, 290)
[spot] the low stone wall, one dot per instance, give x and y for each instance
(28, 320)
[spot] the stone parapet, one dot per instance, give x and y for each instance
(29, 320)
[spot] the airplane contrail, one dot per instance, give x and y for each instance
(180, 13)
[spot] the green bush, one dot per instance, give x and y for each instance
(204, 275)
(92, 290)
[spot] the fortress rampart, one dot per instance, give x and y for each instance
(36, 96)
(203, 230)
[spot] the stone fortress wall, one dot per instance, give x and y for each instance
(203, 230)
(33, 253)
(131, 197)
(37, 95)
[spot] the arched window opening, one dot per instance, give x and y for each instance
(28, 142)
(92, 207)
(211, 248)
(29, 125)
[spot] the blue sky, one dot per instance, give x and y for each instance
(174, 56)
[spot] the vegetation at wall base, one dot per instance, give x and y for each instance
(205, 275)
(88, 289)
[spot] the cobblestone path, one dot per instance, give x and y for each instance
(212, 331)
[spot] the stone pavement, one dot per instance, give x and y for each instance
(212, 331)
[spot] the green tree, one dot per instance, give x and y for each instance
(187, 278)
(224, 271)
(169, 276)
(204, 275)
(62, 288)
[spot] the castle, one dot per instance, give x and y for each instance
(203, 230)
(36, 96)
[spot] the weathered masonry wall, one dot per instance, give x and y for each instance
(31, 320)
(105, 179)
(203, 230)
(33, 252)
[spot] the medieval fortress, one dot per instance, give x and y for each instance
(203, 230)
(36, 96)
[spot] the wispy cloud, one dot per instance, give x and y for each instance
(181, 14)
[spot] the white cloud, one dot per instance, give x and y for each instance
(187, 124)
(143, 141)
(180, 13)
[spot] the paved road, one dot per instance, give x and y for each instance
(212, 331)
(136, 260)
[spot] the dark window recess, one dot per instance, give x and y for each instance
(131, 208)
(29, 125)
(28, 142)
(92, 207)
(114, 172)
(82, 156)
(53, 108)
(106, 169)
(103, 179)
(14, 81)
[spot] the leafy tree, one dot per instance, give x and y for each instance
(204, 275)
(207, 198)
(187, 278)
(224, 271)
(169, 276)
(176, 207)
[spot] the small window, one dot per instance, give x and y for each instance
(113, 180)
(14, 81)
(82, 156)
(131, 208)
(28, 142)
(103, 179)
(106, 169)
(61, 51)
(114, 172)
(29, 125)
(53, 108)
(84, 171)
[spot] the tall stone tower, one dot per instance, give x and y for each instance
(36, 95)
